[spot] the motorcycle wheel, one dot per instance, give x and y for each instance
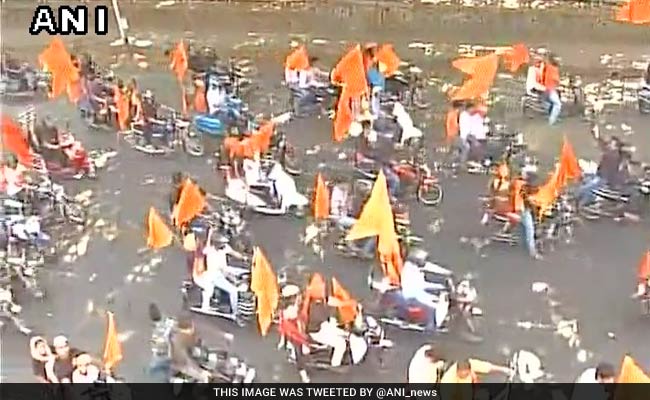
(430, 195)
(74, 213)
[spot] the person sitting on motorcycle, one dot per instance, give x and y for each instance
(611, 171)
(324, 330)
(292, 329)
(472, 132)
(183, 340)
(150, 119)
(415, 290)
(527, 217)
(466, 371)
(392, 179)
(498, 193)
(534, 77)
(643, 288)
(426, 365)
(217, 272)
(47, 135)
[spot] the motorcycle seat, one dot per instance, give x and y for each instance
(209, 124)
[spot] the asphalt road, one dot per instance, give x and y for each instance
(592, 278)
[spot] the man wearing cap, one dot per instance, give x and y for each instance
(60, 368)
(216, 252)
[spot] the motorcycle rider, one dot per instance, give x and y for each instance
(472, 132)
(426, 365)
(324, 330)
(499, 194)
(183, 340)
(292, 329)
(534, 77)
(217, 270)
(611, 171)
(416, 290)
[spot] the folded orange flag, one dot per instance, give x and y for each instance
(158, 233)
(14, 141)
(343, 117)
(316, 290)
(350, 72)
(451, 125)
(388, 60)
(515, 57)
(179, 61)
(56, 60)
(321, 200)
(265, 286)
(123, 107)
(643, 272)
(112, 346)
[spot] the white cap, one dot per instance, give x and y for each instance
(290, 290)
(60, 341)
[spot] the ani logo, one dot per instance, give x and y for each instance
(65, 20)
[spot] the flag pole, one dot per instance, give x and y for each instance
(118, 18)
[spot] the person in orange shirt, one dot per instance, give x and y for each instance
(466, 371)
(551, 83)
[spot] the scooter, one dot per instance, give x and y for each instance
(246, 303)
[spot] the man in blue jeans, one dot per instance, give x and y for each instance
(527, 215)
(552, 82)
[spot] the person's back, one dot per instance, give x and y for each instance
(318, 313)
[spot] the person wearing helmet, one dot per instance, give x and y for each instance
(216, 252)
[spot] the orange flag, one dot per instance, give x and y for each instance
(346, 305)
(547, 193)
(570, 169)
(515, 57)
(179, 61)
(343, 117)
(112, 346)
(634, 11)
(387, 59)
(191, 202)
(321, 200)
(631, 372)
(376, 215)
(451, 125)
(390, 256)
(481, 71)
(261, 139)
(158, 233)
(14, 141)
(265, 286)
(123, 108)
(200, 104)
(56, 60)
(350, 73)
(644, 267)
(297, 60)
(316, 290)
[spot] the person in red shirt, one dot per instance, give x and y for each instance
(551, 76)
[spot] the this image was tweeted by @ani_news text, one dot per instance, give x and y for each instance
(377, 392)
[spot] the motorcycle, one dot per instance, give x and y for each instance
(571, 95)
(556, 226)
(394, 311)
(246, 303)
(311, 101)
(26, 82)
(428, 190)
(366, 334)
(644, 99)
(279, 188)
(224, 367)
(10, 311)
(53, 197)
(284, 152)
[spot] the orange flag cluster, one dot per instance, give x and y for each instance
(190, 204)
(349, 73)
(566, 170)
(14, 141)
(377, 220)
(56, 60)
(265, 286)
(258, 142)
(321, 200)
(112, 347)
(634, 12)
(339, 298)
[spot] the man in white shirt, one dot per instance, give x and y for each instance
(425, 366)
(472, 130)
(415, 289)
(217, 271)
(603, 374)
(533, 78)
